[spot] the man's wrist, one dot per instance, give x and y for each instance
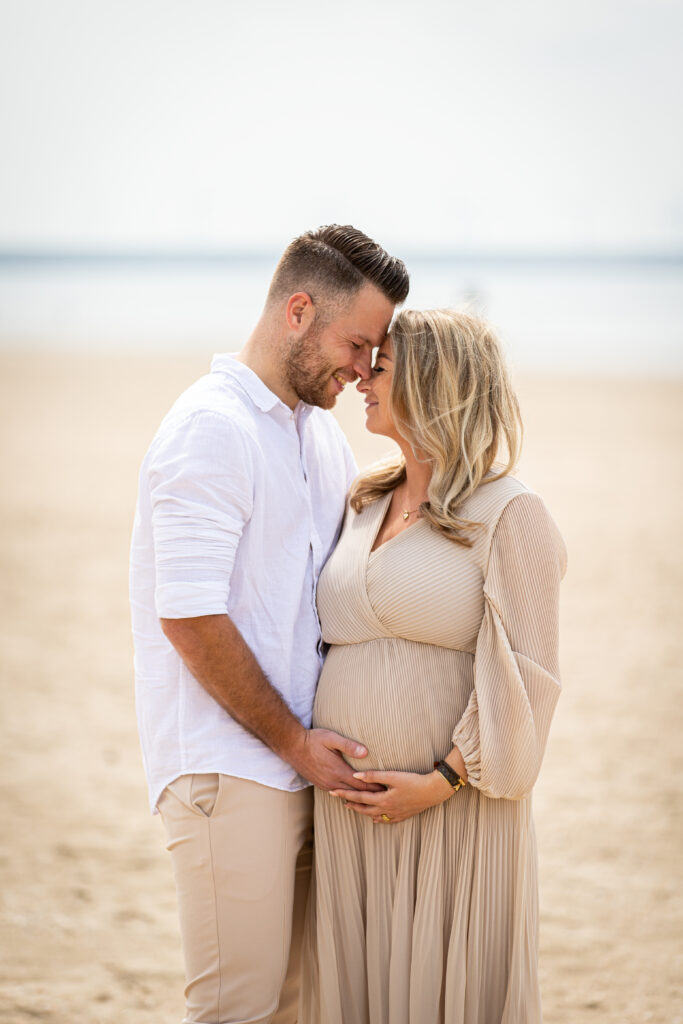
(292, 743)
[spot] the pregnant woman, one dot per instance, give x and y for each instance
(440, 605)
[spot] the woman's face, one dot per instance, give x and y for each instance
(378, 418)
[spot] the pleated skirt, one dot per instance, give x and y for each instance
(429, 921)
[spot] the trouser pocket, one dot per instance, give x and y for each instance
(204, 792)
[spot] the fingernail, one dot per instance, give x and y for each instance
(359, 775)
(360, 751)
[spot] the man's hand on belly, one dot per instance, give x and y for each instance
(317, 754)
(215, 653)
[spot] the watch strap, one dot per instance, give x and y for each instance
(450, 775)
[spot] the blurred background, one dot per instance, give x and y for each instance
(525, 160)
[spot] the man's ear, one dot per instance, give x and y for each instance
(299, 312)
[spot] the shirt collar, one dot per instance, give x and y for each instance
(302, 412)
(261, 396)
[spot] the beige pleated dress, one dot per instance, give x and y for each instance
(434, 920)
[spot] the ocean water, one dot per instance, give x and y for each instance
(564, 317)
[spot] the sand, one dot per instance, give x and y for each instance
(88, 931)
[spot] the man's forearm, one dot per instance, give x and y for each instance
(219, 658)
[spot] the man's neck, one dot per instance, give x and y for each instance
(260, 356)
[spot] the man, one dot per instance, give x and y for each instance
(241, 496)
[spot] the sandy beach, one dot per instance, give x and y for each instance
(88, 931)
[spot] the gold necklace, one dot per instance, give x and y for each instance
(408, 512)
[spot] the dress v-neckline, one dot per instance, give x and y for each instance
(385, 502)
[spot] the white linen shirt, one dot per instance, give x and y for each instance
(240, 503)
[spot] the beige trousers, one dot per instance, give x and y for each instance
(241, 855)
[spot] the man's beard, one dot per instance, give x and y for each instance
(308, 372)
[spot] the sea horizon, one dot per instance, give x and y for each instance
(594, 312)
(171, 255)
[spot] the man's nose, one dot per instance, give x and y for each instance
(362, 364)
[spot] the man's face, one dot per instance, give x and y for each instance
(324, 360)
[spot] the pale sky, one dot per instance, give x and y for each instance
(511, 125)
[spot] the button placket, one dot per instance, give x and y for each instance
(315, 545)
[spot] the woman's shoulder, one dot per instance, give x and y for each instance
(486, 504)
(508, 505)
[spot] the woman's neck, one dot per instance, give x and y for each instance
(418, 476)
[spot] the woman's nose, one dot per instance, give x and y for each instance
(363, 385)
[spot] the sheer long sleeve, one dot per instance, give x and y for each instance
(503, 732)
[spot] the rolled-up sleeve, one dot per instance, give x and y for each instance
(200, 478)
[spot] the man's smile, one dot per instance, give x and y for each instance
(342, 380)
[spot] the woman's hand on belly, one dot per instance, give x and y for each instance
(406, 794)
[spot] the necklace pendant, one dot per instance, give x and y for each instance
(405, 514)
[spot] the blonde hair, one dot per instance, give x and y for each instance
(452, 400)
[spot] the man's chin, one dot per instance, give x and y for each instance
(319, 399)
(334, 389)
(321, 392)
(327, 399)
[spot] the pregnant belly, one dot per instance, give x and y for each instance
(401, 699)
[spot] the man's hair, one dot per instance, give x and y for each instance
(332, 263)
